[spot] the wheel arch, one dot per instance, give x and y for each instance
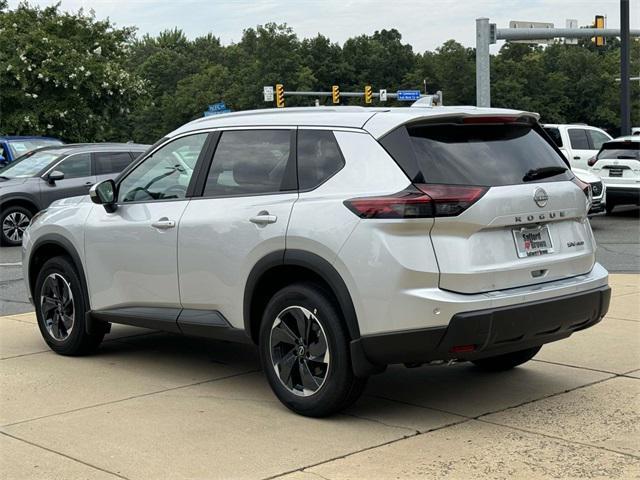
(22, 201)
(275, 270)
(49, 246)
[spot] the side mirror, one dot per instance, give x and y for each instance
(104, 193)
(54, 176)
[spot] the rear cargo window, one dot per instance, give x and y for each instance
(620, 150)
(487, 155)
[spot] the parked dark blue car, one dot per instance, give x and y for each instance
(11, 147)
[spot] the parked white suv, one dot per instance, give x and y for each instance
(577, 142)
(618, 164)
(340, 240)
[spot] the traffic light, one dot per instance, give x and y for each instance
(368, 94)
(599, 23)
(335, 94)
(279, 95)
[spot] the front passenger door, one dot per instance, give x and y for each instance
(77, 180)
(131, 253)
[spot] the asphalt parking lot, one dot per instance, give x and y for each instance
(151, 405)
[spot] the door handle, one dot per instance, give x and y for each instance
(576, 158)
(163, 223)
(263, 218)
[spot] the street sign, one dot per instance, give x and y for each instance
(408, 95)
(383, 94)
(217, 107)
(571, 23)
(267, 91)
(521, 24)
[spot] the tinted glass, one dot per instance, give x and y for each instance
(111, 162)
(30, 165)
(249, 162)
(621, 150)
(75, 166)
(165, 174)
(554, 133)
(319, 157)
(487, 155)
(578, 139)
(597, 139)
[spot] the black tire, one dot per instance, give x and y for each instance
(609, 208)
(507, 361)
(340, 388)
(77, 341)
(17, 217)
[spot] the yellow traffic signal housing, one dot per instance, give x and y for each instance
(279, 95)
(599, 23)
(368, 94)
(335, 94)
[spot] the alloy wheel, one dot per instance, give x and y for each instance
(299, 351)
(56, 306)
(14, 225)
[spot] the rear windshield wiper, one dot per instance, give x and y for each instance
(2, 177)
(626, 157)
(543, 172)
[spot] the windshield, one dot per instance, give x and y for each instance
(626, 150)
(20, 147)
(30, 165)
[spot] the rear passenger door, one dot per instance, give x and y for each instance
(239, 214)
(110, 164)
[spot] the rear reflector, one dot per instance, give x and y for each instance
(462, 349)
(418, 201)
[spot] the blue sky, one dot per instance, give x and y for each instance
(425, 24)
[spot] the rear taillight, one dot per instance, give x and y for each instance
(592, 161)
(585, 187)
(418, 201)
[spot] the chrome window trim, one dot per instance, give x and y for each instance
(51, 169)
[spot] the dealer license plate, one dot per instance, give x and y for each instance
(533, 241)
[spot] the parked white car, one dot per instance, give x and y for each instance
(339, 240)
(577, 142)
(618, 164)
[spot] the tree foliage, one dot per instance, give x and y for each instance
(79, 78)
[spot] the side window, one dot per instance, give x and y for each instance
(250, 162)
(578, 138)
(597, 139)
(554, 133)
(75, 166)
(111, 162)
(165, 174)
(319, 157)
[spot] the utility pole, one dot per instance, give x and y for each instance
(625, 93)
(483, 79)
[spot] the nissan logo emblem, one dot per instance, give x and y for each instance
(540, 197)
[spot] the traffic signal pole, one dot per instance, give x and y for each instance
(625, 93)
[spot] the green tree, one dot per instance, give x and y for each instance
(62, 74)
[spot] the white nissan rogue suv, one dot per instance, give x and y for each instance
(339, 240)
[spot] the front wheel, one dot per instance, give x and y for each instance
(304, 351)
(507, 361)
(609, 208)
(13, 221)
(60, 308)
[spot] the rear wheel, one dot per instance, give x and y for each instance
(13, 222)
(506, 361)
(304, 350)
(61, 307)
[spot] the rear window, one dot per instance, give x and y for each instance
(111, 162)
(620, 150)
(486, 155)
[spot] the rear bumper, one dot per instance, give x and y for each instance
(492, 331)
